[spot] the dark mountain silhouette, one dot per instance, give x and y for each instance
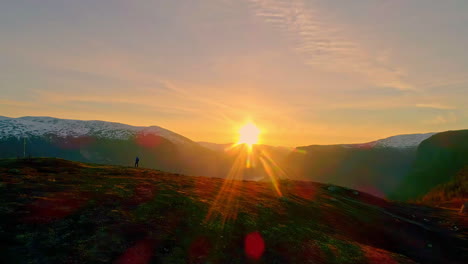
(452, 194)
(438, 161)
(375, 170)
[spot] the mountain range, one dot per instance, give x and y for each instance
(383, 167)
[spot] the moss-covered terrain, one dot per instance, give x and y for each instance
(58, 211)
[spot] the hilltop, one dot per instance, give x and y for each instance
(58, 211)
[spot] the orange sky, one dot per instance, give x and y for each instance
(306, 72)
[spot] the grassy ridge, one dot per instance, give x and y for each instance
(57, 211)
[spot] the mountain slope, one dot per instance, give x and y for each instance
(439, 159)
(403, 141)
(375, 170)
(398, 141)
(452, 194)
(215, 146)
(30, 126)
(107, 143)
(56, 211)
(377, 167)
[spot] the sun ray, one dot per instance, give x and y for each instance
(273, 170)
(248, 158)
(225, 203)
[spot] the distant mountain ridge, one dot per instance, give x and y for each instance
(398, 141)
(215, 146)
(439, 159)
(376, 170)
(378, 167)
(403, 141)
(41, 126)
(106, 143)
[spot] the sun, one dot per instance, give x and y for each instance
(249, 134)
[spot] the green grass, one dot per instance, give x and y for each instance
(57, 211)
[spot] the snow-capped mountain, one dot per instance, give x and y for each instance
(399, 141)
(403, 141)
(106, 143)
(42, 126)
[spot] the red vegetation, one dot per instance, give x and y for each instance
(206, 188)
(143, 192)
(378, 256)
(54, 207)
(140, 253)
(199, 250)
(313, 251)
(306, 190)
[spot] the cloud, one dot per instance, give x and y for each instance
(15, 103)
(325, 44)
(457, 79)
(436, 106)
(441, 119)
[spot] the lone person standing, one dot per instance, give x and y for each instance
(136, 162)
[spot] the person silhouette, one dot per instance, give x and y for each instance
(136, 162)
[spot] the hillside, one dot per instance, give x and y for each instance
(452, 194)
(215, 146)
(106, 143)
(57, 211)
(438, 160)
(38, 126)
(377, 170)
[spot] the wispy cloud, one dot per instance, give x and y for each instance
(456, 79)
(15, 103)
(325, 45)
(436, 106)
(442, 119)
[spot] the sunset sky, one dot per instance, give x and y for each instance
(306, 72)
